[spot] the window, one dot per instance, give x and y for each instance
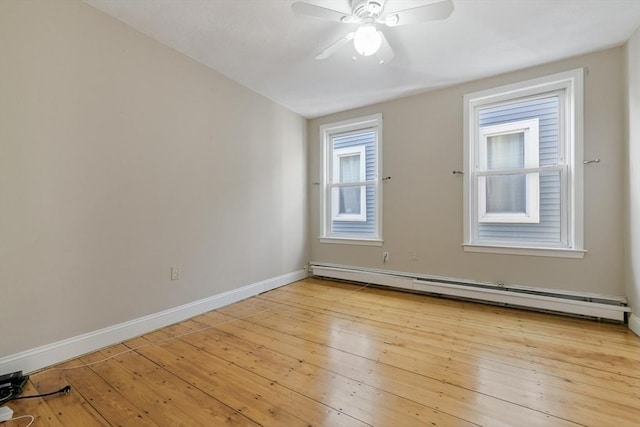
(351, 190)
(523, 151)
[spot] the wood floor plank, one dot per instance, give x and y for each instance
(351, 397)
(160, 388)
(448, 392)
(601, 359)
(38, 408)
(434, 394)
(69, 409)
(394, 333)
(325, 353)
(92, 401)
(492, 384)
(481, 313)
(264, 401)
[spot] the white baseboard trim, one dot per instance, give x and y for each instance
(634, 324)
(50, 354)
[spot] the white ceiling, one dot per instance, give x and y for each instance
(261, 44)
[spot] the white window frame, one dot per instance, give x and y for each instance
(335, 195)
(327, 180)
(532, 182)
(570, 84)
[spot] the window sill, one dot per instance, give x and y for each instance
(519, 250)
(352, 241)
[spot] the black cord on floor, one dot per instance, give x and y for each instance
(64, 390)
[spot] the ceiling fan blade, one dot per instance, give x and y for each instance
(302, 8)
(332, 48)
(416, 15)
(385, 53)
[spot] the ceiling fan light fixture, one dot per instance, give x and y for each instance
(367, 40)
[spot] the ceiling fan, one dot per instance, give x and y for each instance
(369, 14)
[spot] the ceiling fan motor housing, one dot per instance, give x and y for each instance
(367, 8)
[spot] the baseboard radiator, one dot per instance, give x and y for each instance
(564, 302)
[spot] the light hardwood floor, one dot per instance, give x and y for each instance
(322, 353)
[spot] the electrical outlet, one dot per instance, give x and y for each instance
(414, 256)
(385, 257)
(175, 273)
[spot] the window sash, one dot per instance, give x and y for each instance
(529, 128)
(337, 196)
(529, 214)
(342, 153)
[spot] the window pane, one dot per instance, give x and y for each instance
(350, 168)
(349, 200)
(505, 151)
(506, 194)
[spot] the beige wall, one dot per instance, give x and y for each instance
(632, 253)
(119, 158)
(422, 144)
